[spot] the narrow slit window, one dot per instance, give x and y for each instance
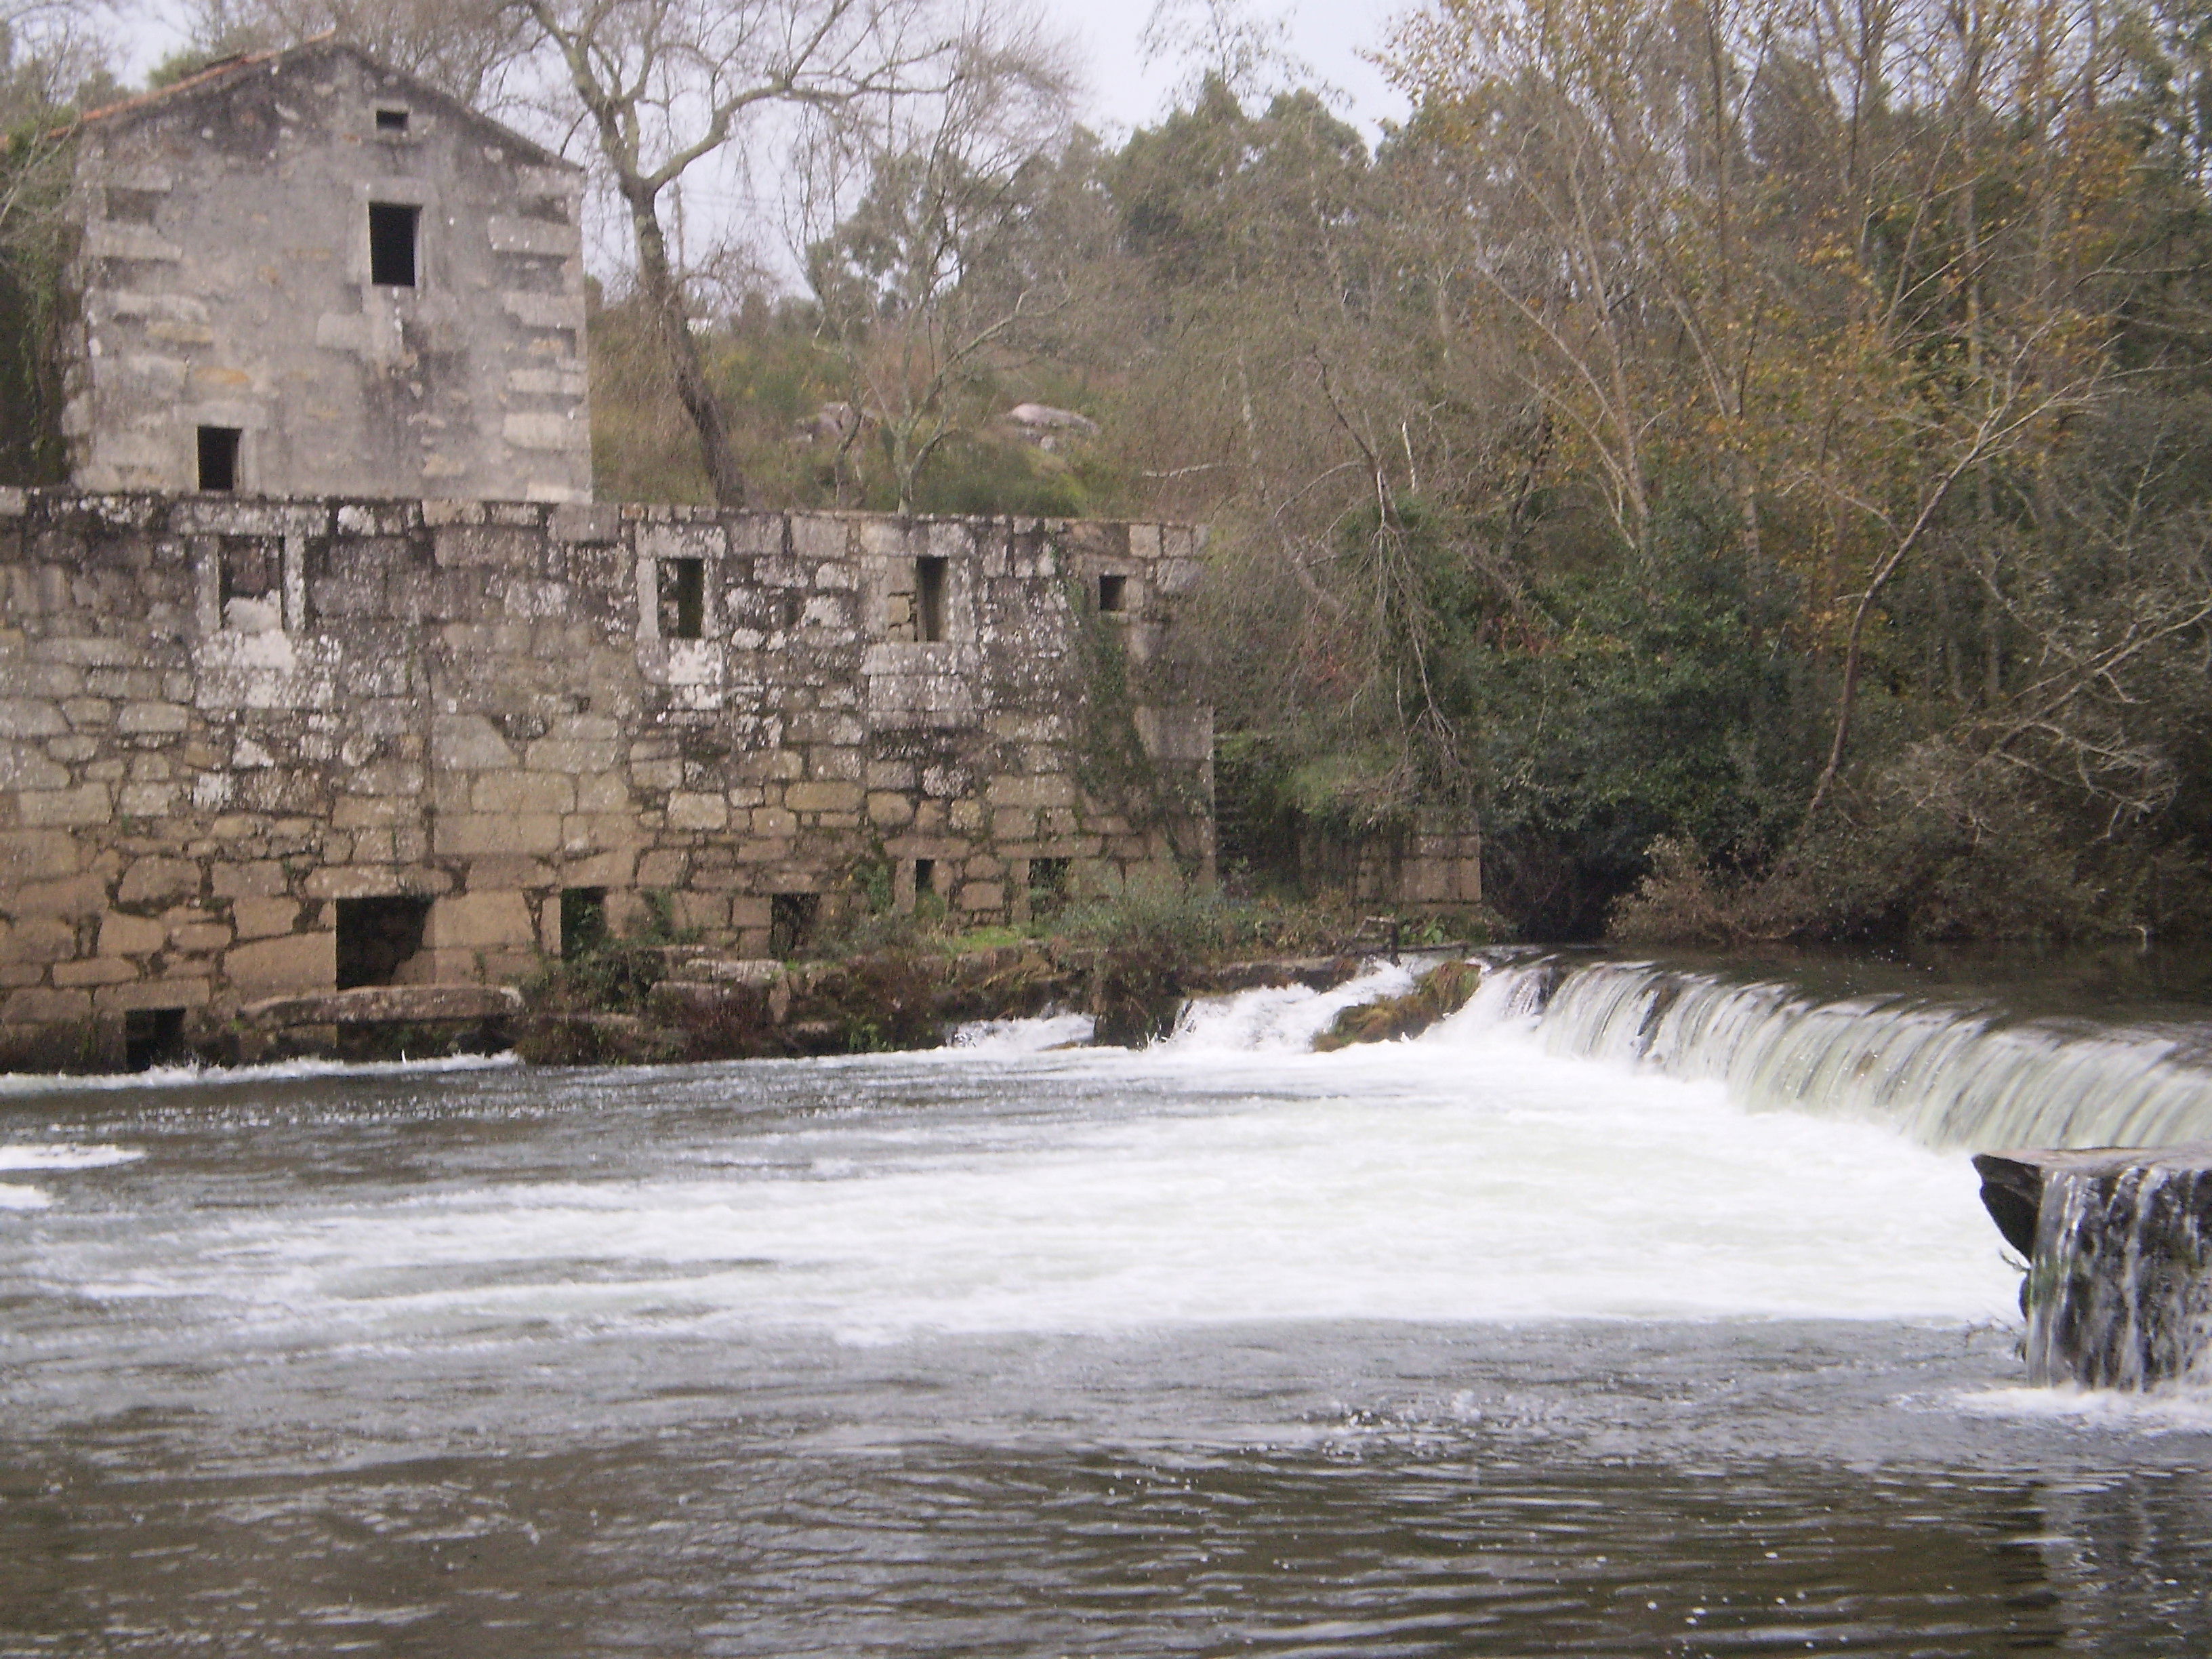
(925, 878)
(392, 236)
(1113, 595)
(391, 120)
(219, 457)
(683, 599)
(929, 598)
(583, 921)
(1048, 886)
(250, 583)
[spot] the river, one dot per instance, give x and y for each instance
(1626, 1312)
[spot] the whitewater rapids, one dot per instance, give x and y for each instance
(1227, 1174)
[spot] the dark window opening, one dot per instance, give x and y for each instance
(929, 598)
(153, 1037)
(583, 921)
(793, 610)
(219, 457)
(790, 921)
(377, 937)
(251, 568)
(925, 877)
(1113, 593)
(683, 599)
(133, 207)
(392, 236)
(391, 120)
(1048, 886)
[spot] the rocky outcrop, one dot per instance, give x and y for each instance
(1444, 989)
(689, 1003)
(2118, 1291)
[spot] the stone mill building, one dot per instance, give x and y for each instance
(325, 674)
(324, 683)
(300, 273)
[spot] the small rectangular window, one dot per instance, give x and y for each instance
(683, 599)
(925, 877)
(391, 120)
(583, 921)
(219, 457)
(252, 567)
(791, 918)
(1048, 886)
(1113, 593)
(391, 244)
(929, 598)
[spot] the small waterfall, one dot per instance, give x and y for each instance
(2118, 1296)
(1949, 1075)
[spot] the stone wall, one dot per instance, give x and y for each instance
(224, 724)
(225, 279)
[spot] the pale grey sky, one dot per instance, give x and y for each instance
(1329, 34)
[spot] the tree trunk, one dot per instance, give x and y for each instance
(671, 321)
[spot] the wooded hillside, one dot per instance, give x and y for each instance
(1752, 454)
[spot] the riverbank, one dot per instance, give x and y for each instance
(880, 983)
(681, 1003)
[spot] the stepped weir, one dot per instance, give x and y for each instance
(2118, 1236)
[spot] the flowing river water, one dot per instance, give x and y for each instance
(1626, 1312)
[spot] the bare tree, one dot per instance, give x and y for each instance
(663, 85)
(466, 47)
(51, 52)
(948, 260)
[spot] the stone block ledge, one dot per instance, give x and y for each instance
(387, 1004)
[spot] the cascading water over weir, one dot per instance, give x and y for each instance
(2113, 1209)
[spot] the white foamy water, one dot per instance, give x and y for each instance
(1949, 1076)
(285, 1071)
(65, 1155)
(1020, 1036)
(1222, 1177)
(1278, 1021)
(56, 1155)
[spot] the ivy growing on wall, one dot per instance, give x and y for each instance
(1112, 761)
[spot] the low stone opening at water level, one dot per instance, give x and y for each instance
(791, 918)
(218, 459)
(683, 599)
(583, 920)
(378, 937)
(152, 1036)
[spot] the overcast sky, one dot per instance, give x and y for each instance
(1330, 35)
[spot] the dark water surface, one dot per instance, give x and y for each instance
(688, 1362)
